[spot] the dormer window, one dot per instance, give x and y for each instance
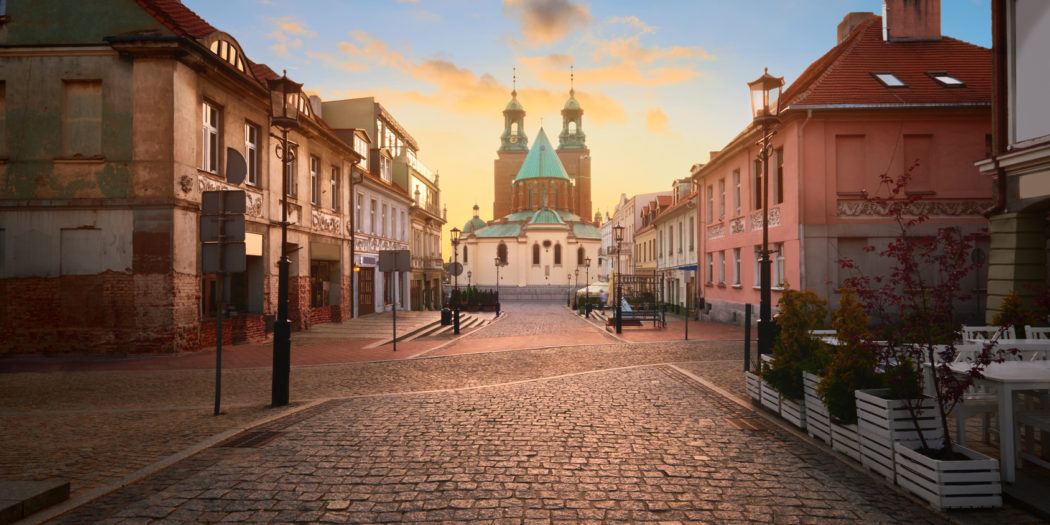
(889, 80)
(228, 52)
(946, 80)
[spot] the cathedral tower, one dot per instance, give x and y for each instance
(514, 145)
(573, 152)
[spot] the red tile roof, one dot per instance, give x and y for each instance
(177, 17)
(663, 200)
(843, 75)
(681, 202)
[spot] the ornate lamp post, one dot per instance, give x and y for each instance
(765, 108)
(587, 287)
(455, 286)
(499, 264)
(618, 237)
(284, 114)
(576, 288)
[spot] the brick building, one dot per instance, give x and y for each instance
(125, 112)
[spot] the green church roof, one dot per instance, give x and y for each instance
(545, 216)
(542, 162)
(514, 105)
(500, 230)
(473, 225)
(586, 231)
(572, 104)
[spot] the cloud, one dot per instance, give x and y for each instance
(547, 21)
(426, 17)
(294, 27)
(656, 121)
(286, 35)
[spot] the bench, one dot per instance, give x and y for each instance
(636, 317)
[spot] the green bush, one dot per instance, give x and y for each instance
(794, 349)
(852, 364)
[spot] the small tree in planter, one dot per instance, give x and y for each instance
(1013, 313)
(795, 350)
(915, 304)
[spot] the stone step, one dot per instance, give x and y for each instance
(20, 499)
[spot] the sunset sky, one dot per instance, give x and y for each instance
(661, 83)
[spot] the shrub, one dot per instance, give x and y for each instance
(1013, 313)
(852, 364)
(794, 349)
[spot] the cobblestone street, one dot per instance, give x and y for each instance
(583, 433)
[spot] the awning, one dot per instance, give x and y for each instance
(688, 268)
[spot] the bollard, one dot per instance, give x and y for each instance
(747, 337)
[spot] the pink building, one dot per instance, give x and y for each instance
(887, 96)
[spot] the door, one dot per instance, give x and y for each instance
(366, 283)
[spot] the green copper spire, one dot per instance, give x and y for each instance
(542, 162)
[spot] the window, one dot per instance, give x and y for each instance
(82, 119)
(358, 212)
(465, 257)
(710, 267)
(337, 194)
(501, 252)
(372, 224)
(251, 152)
(210, 141)
(758, 266)
(385, 222)
(384, 167)
(778, 179)
(889, 80)
(315, 186)
(291, 168)
(535, 255)
(670, 239)
(756, 185)
(736, 266)
(680, 239)
(721, 199)
(946, 80)
(736, 192)
(403, 223)
(722, 267)
(778, 265)
(557, 254)
(579, 256)
(692, 233)
(710, 204)
(320, 282)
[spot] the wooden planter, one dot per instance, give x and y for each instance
(846, 439)
(958, 484)
(884, 423)
(793, 411)
(753, 384)
(818, 420)
(770, 395)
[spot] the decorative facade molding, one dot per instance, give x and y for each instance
(324, 221)
(253, 199)
(737, 226)
(366, 244)
(716, 231)
(933, 208)
(756, 219)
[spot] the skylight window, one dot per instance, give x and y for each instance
(889, 80)
(945, 79)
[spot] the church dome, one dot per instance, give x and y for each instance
(474, 225)
(514, 105)
(572, 104)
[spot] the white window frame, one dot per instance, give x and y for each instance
(336, 189)
(372, 216)
(251, 152)
(778, 266)
(710, 203)
(211, 126)
(359, 212)
(385, 224)
(315, 186)
(721, 199)
(736, 192)
(290, 171)
(722, 267)
(710, 268)
(736, 266)
(758, 265)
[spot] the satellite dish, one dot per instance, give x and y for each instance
(236, 168)
(456, 268)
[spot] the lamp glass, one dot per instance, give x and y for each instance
(618, 233)
(284, 100)
(765, 95)
(455, 235)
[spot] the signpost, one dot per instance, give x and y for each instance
(395, 261)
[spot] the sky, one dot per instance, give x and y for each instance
(661, 83)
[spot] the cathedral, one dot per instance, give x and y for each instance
(539, 233)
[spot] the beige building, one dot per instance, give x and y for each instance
(125, 113)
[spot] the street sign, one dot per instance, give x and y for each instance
(222, 231)
(232, 228)
(395, 261)
(455, 268)
(233, 257)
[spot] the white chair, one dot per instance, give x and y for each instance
(828, 336)
(986, 333)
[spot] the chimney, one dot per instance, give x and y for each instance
(849, 22)
(315, 105)
(911, 20)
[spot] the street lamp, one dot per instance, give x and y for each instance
(765, 108)
(499, 263)
(587, 287)
(468, 278)
(284, 114)
(618, 237)
(455, 286)
(576, 288)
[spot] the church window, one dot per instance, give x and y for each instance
(514, 128)
(557, 254)
(501, 253)
(536, 254)
(579, 256)
(572, 128)
(464, 254)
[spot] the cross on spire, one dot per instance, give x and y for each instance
(514, 91)
(572, 90)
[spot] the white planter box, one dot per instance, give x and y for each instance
(845, 439)
(818, 421)
(753, 384)
(793, 411)
(770, 395)
(884, 422)
(950, 484)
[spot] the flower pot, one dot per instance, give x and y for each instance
(846, 440)
(753, 384)
(818, 420)
(952, 484)
(884, 423)
(793, 411)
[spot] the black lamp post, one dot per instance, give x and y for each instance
(618, 237)
(284, 114)
(576, 288)
(455, 275)
(468, 278)
(499, 263)
(765, 108)
(587, 287)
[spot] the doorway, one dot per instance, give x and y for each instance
(366, 283)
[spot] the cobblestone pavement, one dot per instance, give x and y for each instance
(591, 432)
(639, 445)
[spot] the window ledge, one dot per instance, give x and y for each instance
(721, 285)
(96, 159)
(737, 285)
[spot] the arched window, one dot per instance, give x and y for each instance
(536, 254)
(579, 256)
(464, 253)
(557, 254)
(501, 253)
(513, 128)
(572, 127)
